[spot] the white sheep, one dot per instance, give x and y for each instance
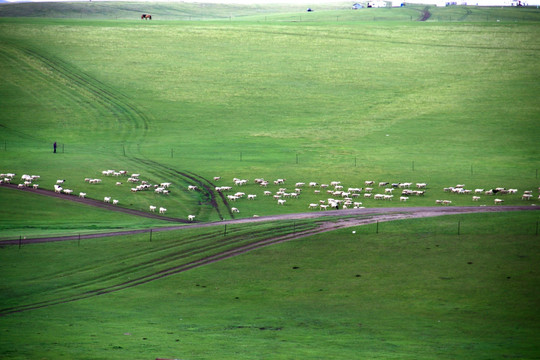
(475, 198)
(281, 201)
(192, 188)
(251, 196)
(107, 199)
(68, 191)
(152, 208)
(82, 195)
(235, 210)
(191, 217)
(403, 198)
(60, 181)
(498, 201)
(162, 210)
(115, 202)
(313, 206)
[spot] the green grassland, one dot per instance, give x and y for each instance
(415, 290)
(440, 102)
(268, 92)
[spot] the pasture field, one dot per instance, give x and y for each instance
(260, 93)
(415, 290)
(444, 103)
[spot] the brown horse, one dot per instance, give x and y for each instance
(146, 17)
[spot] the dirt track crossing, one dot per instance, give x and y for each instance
(181, 263)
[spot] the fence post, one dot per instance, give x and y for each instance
(150, 235)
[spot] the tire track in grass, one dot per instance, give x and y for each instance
(223, 250)
(207, 187)
(109, 100)
(266, 237)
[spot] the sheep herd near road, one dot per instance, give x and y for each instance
(338, 196)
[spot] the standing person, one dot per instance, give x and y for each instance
(54, 147)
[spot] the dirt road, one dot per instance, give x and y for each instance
(351, 217)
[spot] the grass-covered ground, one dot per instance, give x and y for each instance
(333, 95)
(415, 290)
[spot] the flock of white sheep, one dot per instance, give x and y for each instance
(335, 194)
(459, 189)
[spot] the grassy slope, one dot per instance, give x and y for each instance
(211, 91)
(415, 290)
(200, 96)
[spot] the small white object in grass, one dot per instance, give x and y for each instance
(354, 232)
(387, 135)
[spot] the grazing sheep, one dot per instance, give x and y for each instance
(82, 195)
(446, 202)
(60, 181)
(235, 210)
(281, 201)
(475, 198)
(115, 202)
(57, 189)
(526, 197)
(267, 193)
(107, 199)
(478, 191)
(217, 178)
(162, 210)
(191, 217)
(323, 207)
(192, 188)
(403, 198)
(35, 186)
(369, 182)
(251, 196)
(152, 208)
(68, 191)
(313, 206)
(118, 183)
(388, 190)
(498, 201)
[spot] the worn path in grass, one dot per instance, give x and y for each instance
(336, 219)
(355, 217)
